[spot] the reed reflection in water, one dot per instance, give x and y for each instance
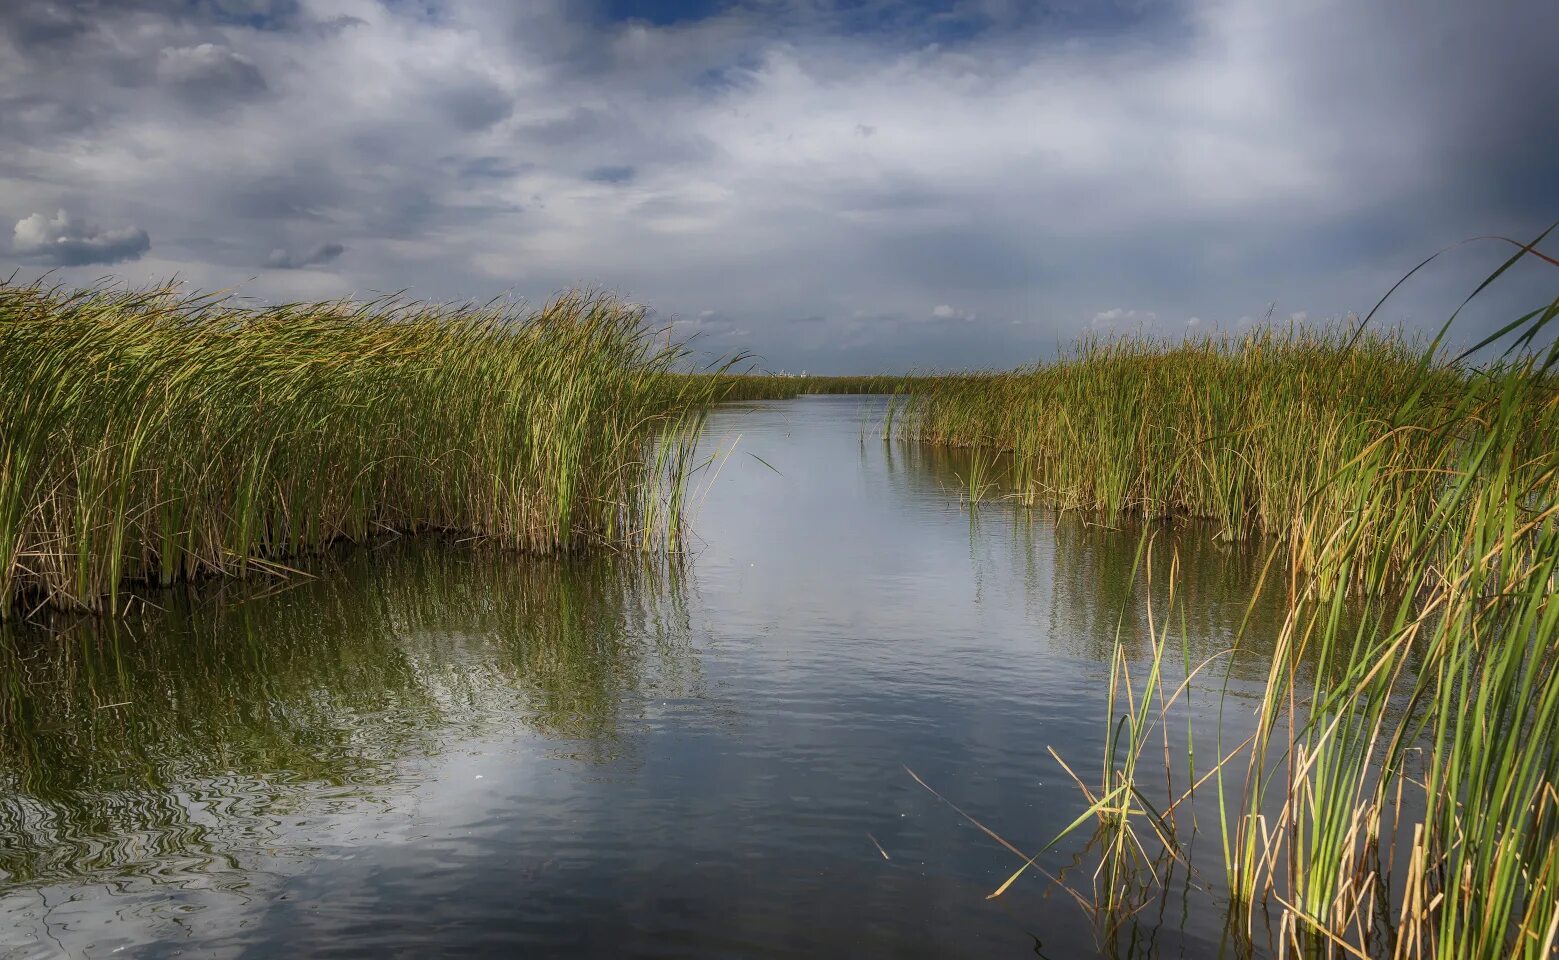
(171, 747)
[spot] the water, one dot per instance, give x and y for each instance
(433, 750)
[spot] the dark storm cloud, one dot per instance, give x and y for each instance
(978, 254)
(578, 125)
(308, 191)
(474, 105)
(487, 168)
(41, 25)
(37, 116)
(208, 76)
(281, 259)
(1475, 84)
(587, 128)
(610, 174)
(37, 25)
(953, 182)
(256, 14)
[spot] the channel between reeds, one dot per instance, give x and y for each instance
(151, 436)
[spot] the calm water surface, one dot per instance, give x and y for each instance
(438, 751)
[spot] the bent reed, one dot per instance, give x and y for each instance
(151, 436)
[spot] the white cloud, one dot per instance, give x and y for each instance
(947, 312)
(62, 240)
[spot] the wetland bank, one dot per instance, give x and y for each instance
(1226, 648)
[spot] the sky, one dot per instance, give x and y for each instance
(830, 185)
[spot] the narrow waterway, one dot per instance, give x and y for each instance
(440, 751)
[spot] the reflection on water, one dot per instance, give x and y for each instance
(1095, 579)
(433, 749)
(168, 746)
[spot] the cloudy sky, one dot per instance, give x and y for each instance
(834, 184)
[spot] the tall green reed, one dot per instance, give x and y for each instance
(1247, 431)
(1400, 793)
(148, 436)
(760, 386)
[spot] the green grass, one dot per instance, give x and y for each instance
(151, 437)
(1252, 433)
(1399, 796)
(757, 386)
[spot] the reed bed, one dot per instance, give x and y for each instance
(151, 437)
(1398, 794)
(758, 386)
(1253, 433)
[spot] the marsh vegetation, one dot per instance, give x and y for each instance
(733, 387)
(1401, 797)
(152, 436)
